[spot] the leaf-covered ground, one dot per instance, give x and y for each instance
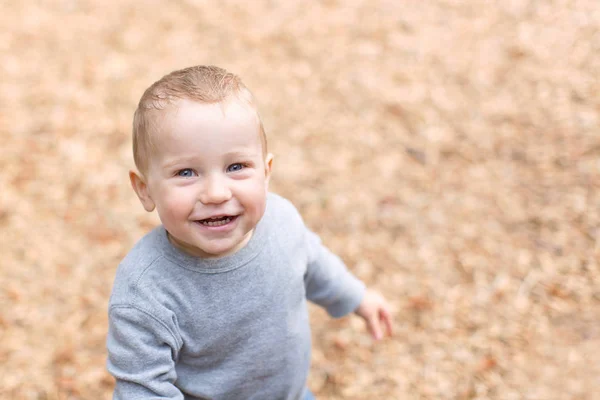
(448, 150)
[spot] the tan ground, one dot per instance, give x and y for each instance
(448, 150)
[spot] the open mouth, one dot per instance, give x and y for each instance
(217, 221)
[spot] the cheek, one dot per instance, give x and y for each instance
(175, 204)
(253, 196)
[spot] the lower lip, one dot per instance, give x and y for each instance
(220, 228)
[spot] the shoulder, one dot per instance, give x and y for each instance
(283, 220)
(143, 259)
(145, 252)
(143, 283)
(279, 207)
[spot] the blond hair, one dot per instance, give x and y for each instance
(203, 84)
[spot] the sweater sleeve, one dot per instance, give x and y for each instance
(328, 282)
(141, 355)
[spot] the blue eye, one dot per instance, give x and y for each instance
(185, 173)
(235, 167)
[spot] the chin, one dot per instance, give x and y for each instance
(220, 250)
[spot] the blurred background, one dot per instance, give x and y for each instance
(448, 150)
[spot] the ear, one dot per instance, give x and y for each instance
(140, 187)
(268, 167)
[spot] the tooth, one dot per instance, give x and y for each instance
(219, 221)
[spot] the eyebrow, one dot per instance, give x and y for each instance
(175, 162)
(241, 153)
(189, 159)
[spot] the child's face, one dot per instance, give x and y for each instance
(208, 177)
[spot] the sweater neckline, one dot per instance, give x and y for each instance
(214, 265)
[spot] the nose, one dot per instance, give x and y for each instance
(215, 190)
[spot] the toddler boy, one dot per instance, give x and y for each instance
(212, 303)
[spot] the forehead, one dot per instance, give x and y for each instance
(233, 113)
(204, 119)
(232, 123)
(233, 110)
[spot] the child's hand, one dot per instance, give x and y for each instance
(376, 313)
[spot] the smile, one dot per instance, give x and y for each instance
(217, 221)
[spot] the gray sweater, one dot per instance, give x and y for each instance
(182, 327)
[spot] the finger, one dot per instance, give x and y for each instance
(375, 327)
(386, 317)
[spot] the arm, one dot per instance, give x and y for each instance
(328, 282)
(141, 355)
